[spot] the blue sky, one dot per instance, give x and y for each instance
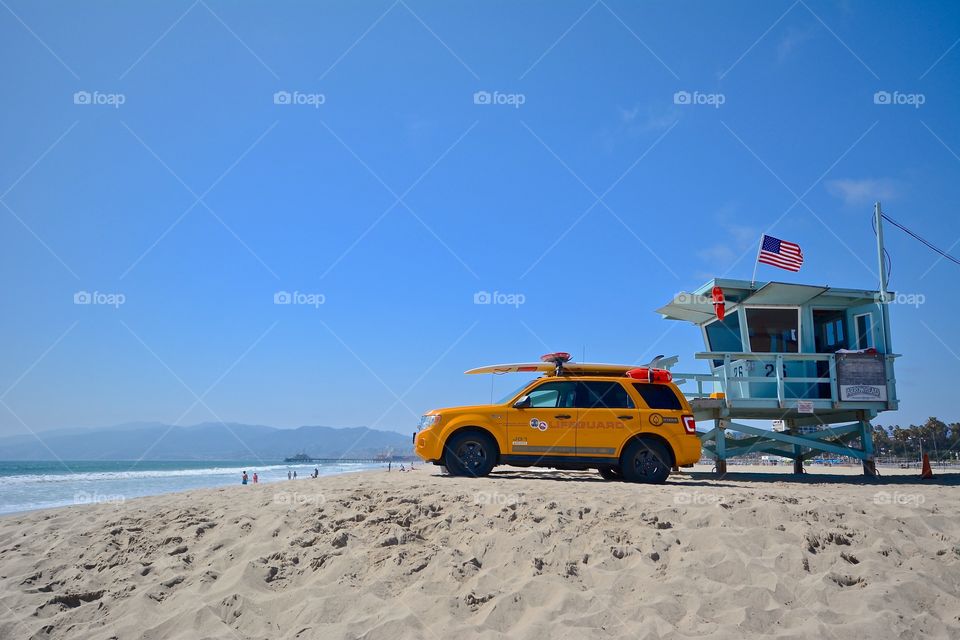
(180, 180)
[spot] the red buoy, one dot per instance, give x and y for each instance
(650, 374)
(719, 304)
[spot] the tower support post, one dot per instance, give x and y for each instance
(721, 447)
(866, 443)
(798, 459)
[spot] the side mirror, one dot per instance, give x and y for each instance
(522, 403)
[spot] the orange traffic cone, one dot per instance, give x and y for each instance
(926, 473)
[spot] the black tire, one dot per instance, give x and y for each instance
(610, 472)
(470, 453)
(645, 461)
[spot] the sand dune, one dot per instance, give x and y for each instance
(525, 554)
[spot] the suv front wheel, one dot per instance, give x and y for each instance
(470, 453)
(645, 461)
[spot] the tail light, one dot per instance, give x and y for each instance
(689, 424)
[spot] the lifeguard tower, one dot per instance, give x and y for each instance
(815, 359)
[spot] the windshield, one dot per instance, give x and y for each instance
(513, 393)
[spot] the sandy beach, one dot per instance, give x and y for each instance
(522, 554)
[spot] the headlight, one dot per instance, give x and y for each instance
(428, 421)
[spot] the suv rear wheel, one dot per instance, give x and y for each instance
(645, 461)
(470, 453)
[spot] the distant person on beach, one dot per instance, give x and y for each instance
(294, 475)
(389, 467)
(316, 472)
(244, 477)
(401, 467)
(255, 478)
(289, 475)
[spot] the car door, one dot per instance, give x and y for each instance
(547, 425)
(605, 415)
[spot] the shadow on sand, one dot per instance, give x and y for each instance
(708, 479)
(941, 479)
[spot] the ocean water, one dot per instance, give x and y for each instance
(25, 486)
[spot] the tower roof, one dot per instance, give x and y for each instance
(697, 307)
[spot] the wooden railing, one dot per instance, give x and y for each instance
(780, 378)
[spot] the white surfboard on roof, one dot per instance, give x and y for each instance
(571, 367)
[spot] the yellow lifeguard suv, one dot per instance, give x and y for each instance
(630, 423)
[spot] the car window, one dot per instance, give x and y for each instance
(552, 394)
(513, 394)
(658, 396)
(602, 395)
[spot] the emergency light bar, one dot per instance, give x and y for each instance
(557, 359)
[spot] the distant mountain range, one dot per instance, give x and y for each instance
(208, 441)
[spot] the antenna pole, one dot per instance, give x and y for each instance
(884, 306)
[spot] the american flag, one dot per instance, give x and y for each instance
(780, 253)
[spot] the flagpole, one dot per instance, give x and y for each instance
(884, 299)
(753, 280)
